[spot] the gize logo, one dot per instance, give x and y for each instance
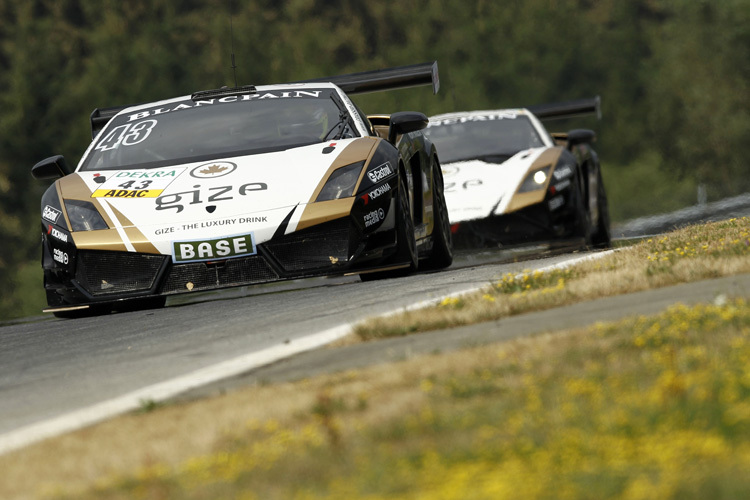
(218, 193)
(214, 249)
(380, 172)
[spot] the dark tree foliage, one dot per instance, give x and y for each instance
(673, 74)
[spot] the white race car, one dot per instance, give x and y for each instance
(238, 186)
(509, 181)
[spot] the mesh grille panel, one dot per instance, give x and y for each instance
(314, 248)
(105, 273)
(200, 276)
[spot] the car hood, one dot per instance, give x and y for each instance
(476, 189)
(255, 194)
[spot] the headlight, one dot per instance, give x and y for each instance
(84, 216)
(535, 180)
(341, 183)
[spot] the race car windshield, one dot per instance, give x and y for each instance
(492, 138)
(187, 131)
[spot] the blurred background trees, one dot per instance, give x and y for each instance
(673, 76)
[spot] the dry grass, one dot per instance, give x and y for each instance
(148, 454)
(690, 254)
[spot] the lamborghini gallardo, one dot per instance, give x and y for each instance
(238, 186)
(509, 181)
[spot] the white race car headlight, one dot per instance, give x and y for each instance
(341, 183)
(84, 216)
(535, 181)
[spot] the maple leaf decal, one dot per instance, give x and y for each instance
(213, 169)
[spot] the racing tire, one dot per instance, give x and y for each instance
(583, 219)
(406, 242)
(442, 238)
(602, 238)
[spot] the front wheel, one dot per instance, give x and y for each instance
(602, 237)
(442, 239)
(583, 219)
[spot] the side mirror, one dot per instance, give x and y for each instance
(580, 136)
(404, 122)
(53, 167)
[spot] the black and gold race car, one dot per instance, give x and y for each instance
(238, 186)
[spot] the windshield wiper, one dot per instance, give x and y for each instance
(340, 127)
(341, 124)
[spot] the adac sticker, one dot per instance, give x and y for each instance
(213, 249)
(137, 183)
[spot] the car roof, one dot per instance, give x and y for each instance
(260, 89)
(483, 112)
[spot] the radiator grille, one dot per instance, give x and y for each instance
(321, 246)
(201, 276)
(107, 273)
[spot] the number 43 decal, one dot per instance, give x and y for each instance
(126, 135)
(129, 185)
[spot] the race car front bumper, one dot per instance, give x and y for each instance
(552, 219)
(331, 248)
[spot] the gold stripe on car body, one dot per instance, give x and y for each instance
(103, 239)
(548, 157)
(139, 240)
(356, 151)
(72, 187)
(323, 211)
(62, 206)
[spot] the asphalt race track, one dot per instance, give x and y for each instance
(52, 367)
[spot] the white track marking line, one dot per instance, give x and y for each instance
(164, 390)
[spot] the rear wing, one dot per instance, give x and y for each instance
(400, 77)
(100, 117)
(568, 109)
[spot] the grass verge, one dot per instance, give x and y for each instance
(650, 407)
(690, 254)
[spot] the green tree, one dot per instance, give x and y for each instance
(673, 76)
(698, 92)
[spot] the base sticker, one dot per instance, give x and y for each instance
(213, 249)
